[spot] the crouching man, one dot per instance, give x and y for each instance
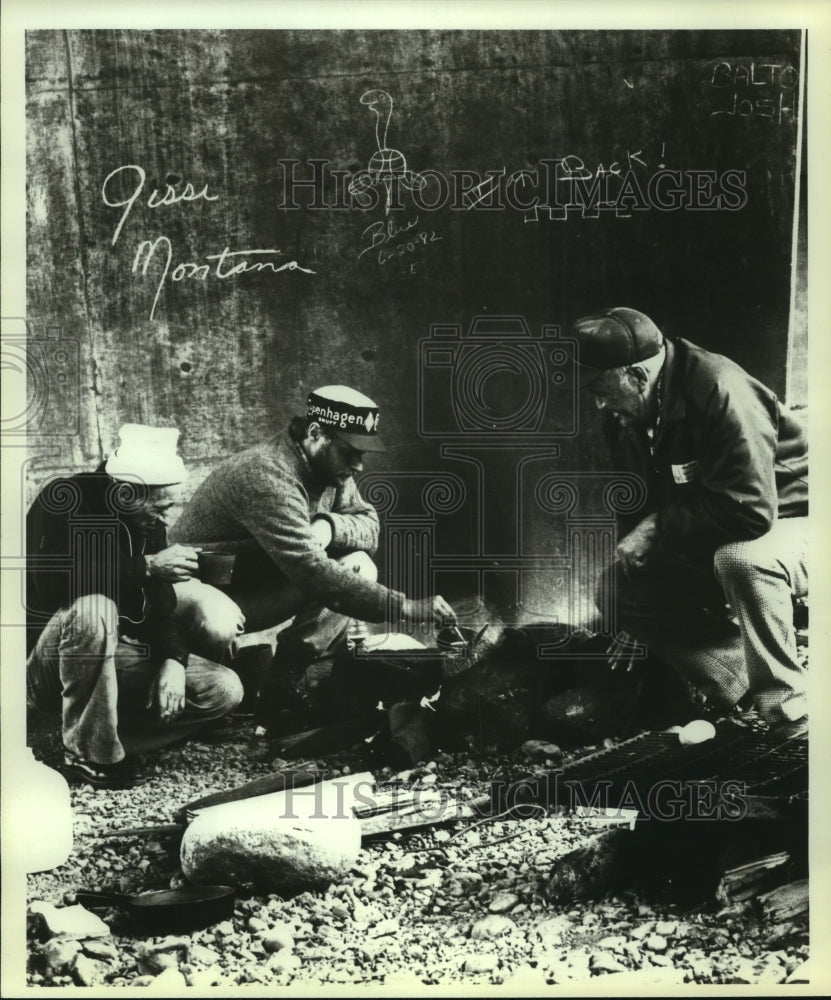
(725, 522)
(303, 537)
(109, 647)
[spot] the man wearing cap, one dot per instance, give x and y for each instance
(725, 518)
(303, 535)
(109, 646)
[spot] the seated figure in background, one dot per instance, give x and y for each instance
(108, 646)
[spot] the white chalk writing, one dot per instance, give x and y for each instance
(159, 251)
(755, 90)
(170, 196)
(189, 269)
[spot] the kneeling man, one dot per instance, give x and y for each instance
(303, 536)
(110, 648)
(725, 522)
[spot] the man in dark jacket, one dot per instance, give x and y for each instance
(108, 646)
(724, 468)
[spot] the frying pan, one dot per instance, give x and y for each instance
(169, 911)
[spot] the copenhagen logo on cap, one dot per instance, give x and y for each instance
(349, 413)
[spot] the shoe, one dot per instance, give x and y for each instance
(121, 775)
(791, 729)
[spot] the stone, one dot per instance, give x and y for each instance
(655, 942)
(59, 954)
(480, 963)
(142, 981)
(614, 942)
(212, 976)
(202, 955)
(463, 883)
(662, 960)
(255, 925)
(525, 980)
(287, 841)
(542, 750)
(384, 927)
(167, 982)
(666, 927)
(641, 931)
(551, 931)
(168, 953)
(49, 921)
(278, 937)
(99, 948)
(492, 926)
(89, 971)
(284, 961)
(502, 902)
(224, 929)
(603, 961)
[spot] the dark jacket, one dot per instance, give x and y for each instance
(79, 541)
(728, 459)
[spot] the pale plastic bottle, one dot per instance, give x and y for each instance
(45, 814)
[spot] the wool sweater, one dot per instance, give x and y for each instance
(261, 503)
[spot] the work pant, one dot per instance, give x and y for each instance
(100, 684)
(678, 611)
(314, 633)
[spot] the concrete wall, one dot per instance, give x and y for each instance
(114, 116)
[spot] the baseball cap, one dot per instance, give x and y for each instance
(347, 414)
(614, 338)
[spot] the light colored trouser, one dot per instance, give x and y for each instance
(313, 633)
(758, 579)
(100, 684)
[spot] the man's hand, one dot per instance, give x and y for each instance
(167, 692)
(621, 653)
(322, 532)
(633, 549)
(434, 609)
(174, 564)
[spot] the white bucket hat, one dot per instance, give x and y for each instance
(147, 455)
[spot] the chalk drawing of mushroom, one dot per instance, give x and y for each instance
(386, 166)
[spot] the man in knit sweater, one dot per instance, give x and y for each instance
(302, 534)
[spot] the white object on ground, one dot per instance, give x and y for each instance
(697, 731)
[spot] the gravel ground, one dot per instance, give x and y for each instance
(459, 905)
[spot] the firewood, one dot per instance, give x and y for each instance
(265, 785)
(327, 739)
(750, 879)
(786, 902)
(412, 818)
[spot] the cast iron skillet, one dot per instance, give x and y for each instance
(169, 911)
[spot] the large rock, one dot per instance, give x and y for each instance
(59, 954)
(48, 921)
(287, 842)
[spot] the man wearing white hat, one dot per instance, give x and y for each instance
(109, 648)
(304, 536)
